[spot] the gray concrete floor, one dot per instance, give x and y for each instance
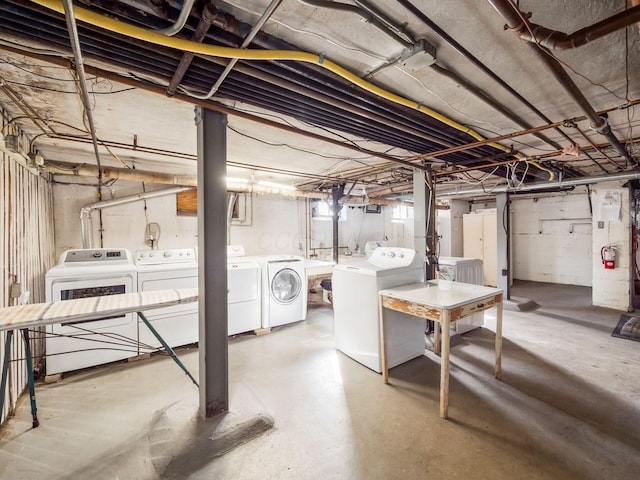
(568, 407)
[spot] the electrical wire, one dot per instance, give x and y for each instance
(142, 34)
(292, 147)
(548, 52)
(49, 89)
(423, 85)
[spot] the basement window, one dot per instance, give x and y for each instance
(323, 210)
(400, 213)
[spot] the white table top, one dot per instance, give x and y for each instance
(91, 308)
(441, 293)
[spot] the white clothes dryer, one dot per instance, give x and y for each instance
(284, 289)
(244, 304)
(164, 270)
(355, 290)
(85, 273)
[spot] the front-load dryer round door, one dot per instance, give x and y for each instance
(286, 286)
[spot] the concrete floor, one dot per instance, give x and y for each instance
(568, 407)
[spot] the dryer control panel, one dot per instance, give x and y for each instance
(163, 257)
(392, 257)
(94, 255)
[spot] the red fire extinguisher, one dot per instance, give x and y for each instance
(608, 255)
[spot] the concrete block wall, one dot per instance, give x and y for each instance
(612, 288)
(552, 238)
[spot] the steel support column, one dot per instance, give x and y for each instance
(424, 218)
(212, 262)
(503, 235)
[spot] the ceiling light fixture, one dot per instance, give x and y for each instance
(276, 185)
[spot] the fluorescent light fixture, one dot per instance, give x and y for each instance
(237, 180)
(276, 185)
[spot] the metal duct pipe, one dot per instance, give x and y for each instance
(84, 92)
(514, 18)
(208, 15)
(181, 21)
(573, 182)
(231, 203)
(85, 212)
(245, 43)
(128, 174)
(557, 40)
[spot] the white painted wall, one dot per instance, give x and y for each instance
(612, 288)
(123, 225)
(552, 238)
(275, 224)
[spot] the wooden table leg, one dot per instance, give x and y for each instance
(383, 343)
(498, 368)
(437, 339)
(444, 364)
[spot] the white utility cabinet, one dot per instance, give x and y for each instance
(480, 233)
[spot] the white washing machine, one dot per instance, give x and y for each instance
(284, 289)
(355, 290)
(91, 273)
(244, 282)
(467, 270)
(162, 270)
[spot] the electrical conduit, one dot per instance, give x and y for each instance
(142, 34)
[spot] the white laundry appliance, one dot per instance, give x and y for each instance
(163, 270)
(355, 290)
(244, 281)
(466, 270)
(85, 273)
(284, 289)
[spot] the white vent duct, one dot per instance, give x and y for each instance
(85, 212)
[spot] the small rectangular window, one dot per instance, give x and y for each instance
(323, 210)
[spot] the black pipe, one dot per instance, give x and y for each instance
(507, 10)
(208, 15)
(469, 56)
(493, 104)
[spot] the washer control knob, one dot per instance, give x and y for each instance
(401, 255)
(97, 254)
(166, 254)
(391, 254)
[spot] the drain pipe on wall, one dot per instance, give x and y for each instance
(85, 212)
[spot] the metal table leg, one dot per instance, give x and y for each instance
(32, 389)
(167, 348)
(5, 367)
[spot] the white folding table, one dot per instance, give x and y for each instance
(23, 317)
(443, 302)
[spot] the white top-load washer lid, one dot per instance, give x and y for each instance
(386, 261)
(455, 260)
(165, 257)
